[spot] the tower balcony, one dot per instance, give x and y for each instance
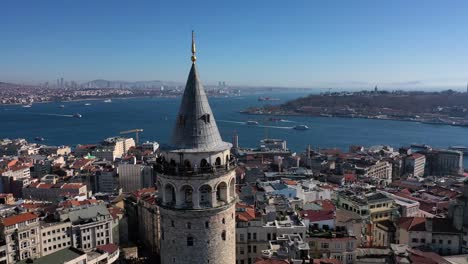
(187, 171)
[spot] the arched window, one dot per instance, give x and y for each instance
(221, 192)
(186, 193)
(223, 235)
(205, 196)
(207, 224)
(223, 221)
(204, 164)
(187, 164)
(218, 161)
(189, 225)
(170, 196)
(232, 188)
(189, 241)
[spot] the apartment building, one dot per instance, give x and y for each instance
(21, 236)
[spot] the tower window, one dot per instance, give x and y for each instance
(207, 224)
(189, 225)
(223, 235)
(223, 221)
(172, 223)
(189, 241)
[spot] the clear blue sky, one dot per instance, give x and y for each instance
(397, 43)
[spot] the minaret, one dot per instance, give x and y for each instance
(196, 185)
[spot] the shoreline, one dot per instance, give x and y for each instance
(352, 117)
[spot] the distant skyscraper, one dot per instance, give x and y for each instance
(196, 179)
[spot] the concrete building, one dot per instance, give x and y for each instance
(142, 211)
(13, 180)
(54, 192)
(92, 225)
(108, 181)
(382, 171)
(415, 164)
(444, 162)
(289, 247)
(437, 233)
(150, 146)
(54, 237)
(254, 232)
(134, 176)
(335, 246)
(197, 179)
(21, 236)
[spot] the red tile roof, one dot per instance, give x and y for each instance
(245, 213)
(13, 220)
(109, 248)
(316, 216)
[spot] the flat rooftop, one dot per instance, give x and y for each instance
(60, 256)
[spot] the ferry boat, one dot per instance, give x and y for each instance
(39, 138)
(87, 104)
(27, 106)
(252, 123)
(301, 127)
(76, 115)
(108, 101)
(267, 99)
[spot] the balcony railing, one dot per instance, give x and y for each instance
(180, 170)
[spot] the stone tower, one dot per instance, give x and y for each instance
(196, 185)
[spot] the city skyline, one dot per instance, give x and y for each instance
(315, 45)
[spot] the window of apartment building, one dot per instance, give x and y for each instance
(241, 250)
(338, 245)
(449, 242)
(350, 257)
(433, 241)
(414, 240)
(249, 249)
(249, 261)
(189, 241)
(255, 236)
(268, 236)
(441, 241)
(255, 249)
(274, 236)
(324, 245)
(249, 236)
(241, 237)
(423, 240)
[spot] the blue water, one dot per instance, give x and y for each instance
(157, 116)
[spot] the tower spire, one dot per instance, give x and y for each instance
(194, 58)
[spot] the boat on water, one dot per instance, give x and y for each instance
(301, 127)
(108, 101)
(76, 115)
(27, 106)
(267, 99)
(62, 106)
(39, 138)
(87, 104)
(252, 123)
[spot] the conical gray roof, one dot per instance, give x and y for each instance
(195, 126)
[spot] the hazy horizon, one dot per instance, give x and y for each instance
(341, 45)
